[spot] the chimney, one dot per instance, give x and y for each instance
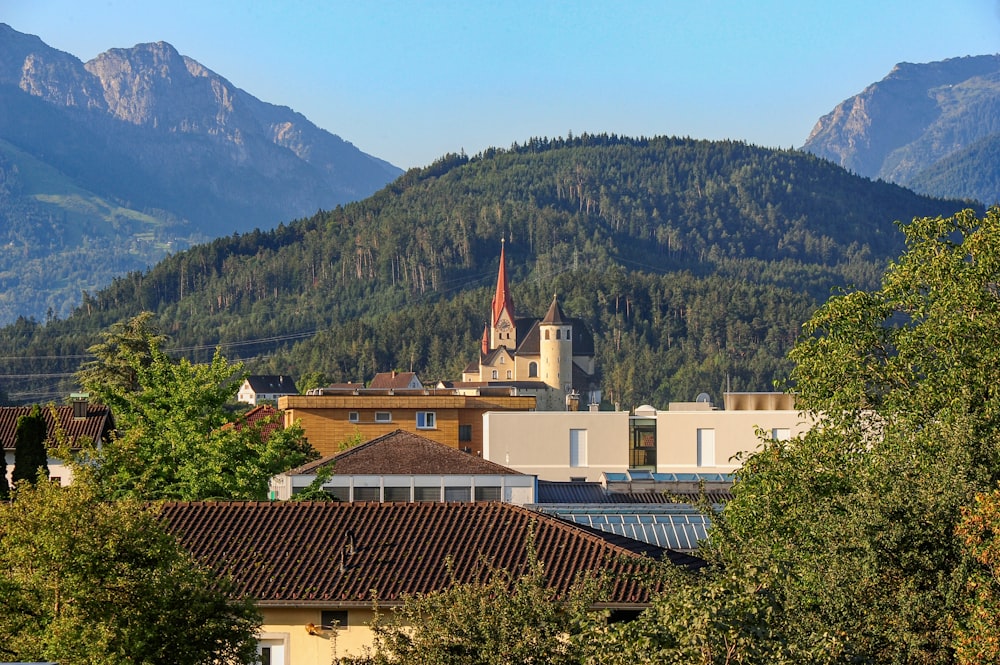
(79, 402)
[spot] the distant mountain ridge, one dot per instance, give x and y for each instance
(925, 126)
(146, 130)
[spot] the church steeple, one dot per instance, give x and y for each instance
(502, 299)
(502, 329)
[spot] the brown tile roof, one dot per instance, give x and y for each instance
(392, 380)
(296, 553)
(404, 453)
(97, 426)
(265, 416)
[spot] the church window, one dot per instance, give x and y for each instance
(502, 360)
(508, 374)
(567, 333)
(532, 369)
(495, 375)
(546, 334)
(558, 333)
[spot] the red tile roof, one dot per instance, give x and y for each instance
(264, 416)
(96, 427)
(404, 453)
(393, 380)
(297, 553)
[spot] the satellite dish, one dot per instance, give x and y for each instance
(703, 397)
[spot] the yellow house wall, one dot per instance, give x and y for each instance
(735, 432)
(537, 443)
(304, 649)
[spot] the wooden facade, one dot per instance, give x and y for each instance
(456, 421)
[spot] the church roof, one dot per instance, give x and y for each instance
(554, 317)
(529, 337)
(502, 299)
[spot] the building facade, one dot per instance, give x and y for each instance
(551, 357)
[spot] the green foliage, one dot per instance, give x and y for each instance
(177, 439)
(856, 521)
(30, 456)
(83, 581)
(692, 261)
(509, 620)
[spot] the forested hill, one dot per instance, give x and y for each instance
(694, 262)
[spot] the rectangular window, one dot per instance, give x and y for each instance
(706, 447)
(397, 494)
(354, 417)
(781, 434)
(458, 494)
(487, 494)
(334, 619)
(426, 420)
(465, 432)
(366, 494)
(508, 374)
(383, 417)
(428, 494)
(578, 447)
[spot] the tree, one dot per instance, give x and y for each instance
(177, 439)
(126, 346)
(856, 521)
(93, 582)
(4, 486)
(508, 620)
(30, 455)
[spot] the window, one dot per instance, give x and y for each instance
(495, 375)
(354, 417)
(487, 494)
(366, 494)
(568, 331)
(465, 432)
(558, 333)
(397, 494)
(271, 650)
(781, 434)
(532, 369)
(457, 493)
(426, 420)
(334, 620)
(546, 334)
(426, 493)
(501, 360)
(706, 447)
(508, 374)
(383, 417)
(578, 447)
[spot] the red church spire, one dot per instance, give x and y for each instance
(486, 340)
(502, 299)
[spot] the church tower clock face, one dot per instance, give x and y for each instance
(503, 325)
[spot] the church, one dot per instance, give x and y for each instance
(551, 357)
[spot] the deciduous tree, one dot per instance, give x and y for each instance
(89, 582)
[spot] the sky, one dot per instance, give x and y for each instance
(410, 81)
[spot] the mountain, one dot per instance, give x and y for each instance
(927, 126)
(694, 263)
(138, 153)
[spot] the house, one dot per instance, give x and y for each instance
(314, 568)
(73, 423)
(687, 437)
(333, 416)
(551, 358)
(265, 388)
(403, 466)
(396, 381)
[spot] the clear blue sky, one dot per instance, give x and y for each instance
(409, 81)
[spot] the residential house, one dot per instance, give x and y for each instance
(265, 388)
(315, 568)
(396, 381)
(334, 416)
(403, 466)
(71, 424)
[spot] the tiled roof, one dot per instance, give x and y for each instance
(528, 337)
(96, 426)
(273, 383)
(554, 317)
(404, 453)
(391, 380)
(300, 553)
(265, 416)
